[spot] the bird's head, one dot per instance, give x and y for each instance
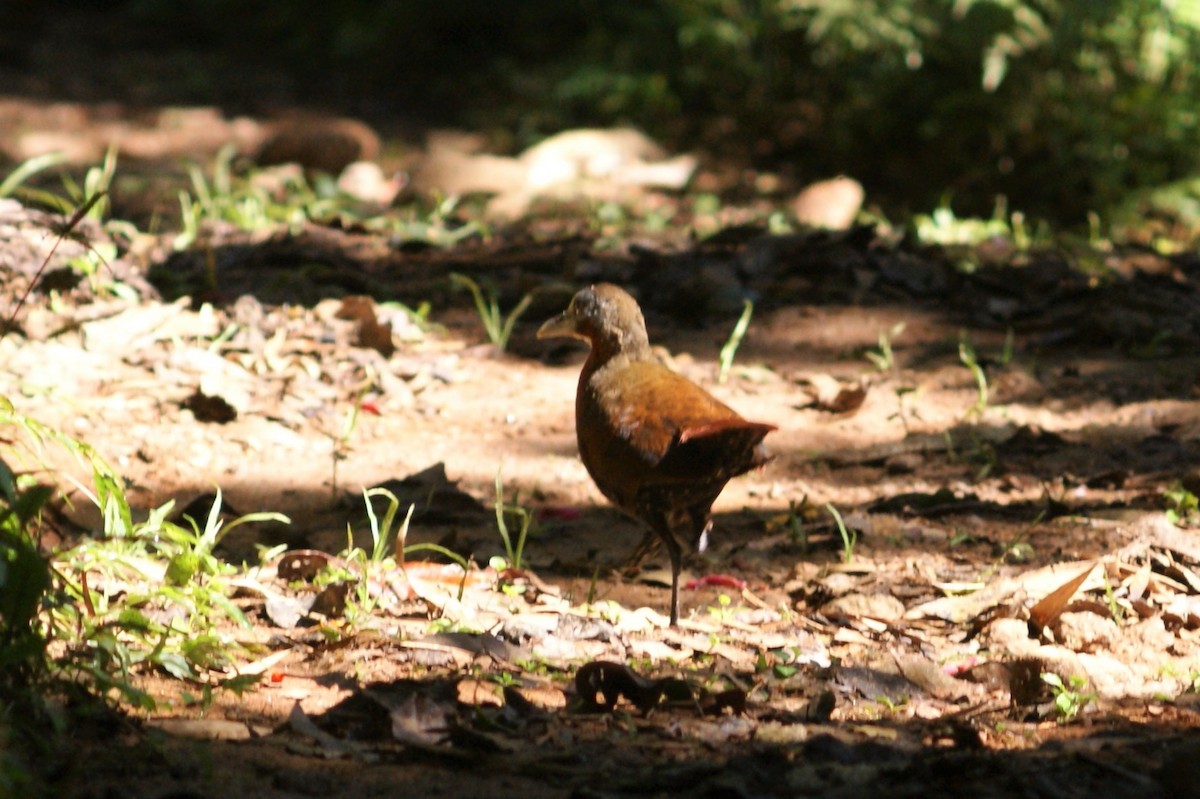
(603, 315)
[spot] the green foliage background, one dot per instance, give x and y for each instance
(1063, 106)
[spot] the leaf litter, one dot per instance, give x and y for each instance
(989, 550)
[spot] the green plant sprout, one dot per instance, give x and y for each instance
(1114, 606)
(1009, 350)
(94, 197)
(730, 348)
(513, 550)
(245, 203)
(385, 544)
(341, 443)
(96, 183)
(797, 533)
(722, 612)
(593, 584)
(785, 670)
(849, 537)
(1069, 698)
(193, 581)
(89, 202)
(505, 679)
(883, 358)
(174, 592)
(1182, 505)
(441, 226)
(389, 549)
(65, 230)
(383, 541)
(381, 533)
(966, 354)
(944, 228)
(194, 557)
(905, 395)
(14, 183)
(498, 327)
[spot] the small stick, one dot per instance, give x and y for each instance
(70, 225)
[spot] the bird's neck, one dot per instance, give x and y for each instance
(633, 345)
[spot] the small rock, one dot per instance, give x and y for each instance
(829, 204)
(324, 145)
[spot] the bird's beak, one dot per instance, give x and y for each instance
(561, 326)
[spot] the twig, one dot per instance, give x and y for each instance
(63, 232)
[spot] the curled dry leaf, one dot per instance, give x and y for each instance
(331, 745)
(419, 720)
(209, 408)
(331, 602)
(478, 693)
(302, 564)
(601, 684)
(1044, 613)
(372, 333)
(827, 393)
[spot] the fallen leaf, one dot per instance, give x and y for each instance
(419, 720)
(209, 729)
(1050, 607)
(302, 564)
(883, 607)
(828, 394)
(331, 745)
(601, 684)
(331, 602)
(209, 408)
(478, 693)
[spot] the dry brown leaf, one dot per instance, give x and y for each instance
(331, 745)
(1038, 582)
(478, 692)
(209, 729)
(1138, 582)
(209, 408)
(827, 393)
(883, 607)
(419, 720)
(372, 333)
(1049, 608)
(543, 697)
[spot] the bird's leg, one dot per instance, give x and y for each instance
(649, 540)
(664, 528)
(677, 530)
(676, 553)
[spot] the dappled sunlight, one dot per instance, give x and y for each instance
(319, 272)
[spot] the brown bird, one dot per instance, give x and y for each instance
(657, 445)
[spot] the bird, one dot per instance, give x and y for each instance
(658, 446)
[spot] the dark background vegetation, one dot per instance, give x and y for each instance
(1061, 107)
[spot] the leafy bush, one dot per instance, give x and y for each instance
(1063, 106)
(24, 580)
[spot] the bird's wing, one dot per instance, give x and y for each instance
(663, 415)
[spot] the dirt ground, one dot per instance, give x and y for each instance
(997, 537)
(911, 669)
